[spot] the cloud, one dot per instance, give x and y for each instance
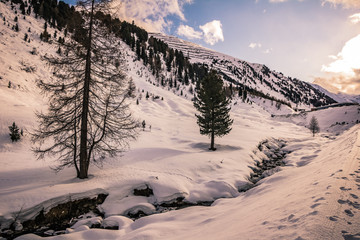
(355, 18)
(339, 83)
(347, 60)
(255, 45)
(267, 51)
(188, 32)
(212, 32)
(343, 73)
(150, 14)
(343, 3)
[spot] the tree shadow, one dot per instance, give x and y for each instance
(219, 147)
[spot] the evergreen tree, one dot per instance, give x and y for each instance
(14, 132)
(143, 125)
(213, 106)
(314, 126)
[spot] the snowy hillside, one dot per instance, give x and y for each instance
(313, 195)
(339, 97)
(254, 76)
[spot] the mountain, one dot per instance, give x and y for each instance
(257, 77)
(313, 196)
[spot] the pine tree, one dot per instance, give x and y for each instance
(213, 106)
(314, 125)
(143, 125)
(14, 132)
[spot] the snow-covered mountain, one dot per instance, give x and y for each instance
(256, 77)
(313, 196)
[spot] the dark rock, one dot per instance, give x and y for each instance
(146, 192)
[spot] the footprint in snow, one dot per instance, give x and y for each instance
(354, 196)
(349, 212)
(319, 199)
(315, 205)
(344, 189)
(342, 201)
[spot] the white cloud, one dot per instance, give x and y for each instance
(343, 73)
(355, 18)
(267, 51)
(343, 3)
(188, 32)
(347, 60)
(255, 45)
(150, 14)
(212, 32)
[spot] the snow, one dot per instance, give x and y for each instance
(298, 201)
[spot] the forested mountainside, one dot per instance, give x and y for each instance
(257, 78)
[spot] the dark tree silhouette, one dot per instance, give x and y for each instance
(14, 132)
(88, 115)
(213, 106)
(314, 125)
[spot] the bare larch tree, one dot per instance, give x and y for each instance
(88, 116)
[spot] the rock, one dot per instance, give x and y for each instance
(146, 192)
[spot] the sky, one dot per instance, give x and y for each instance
(312, 40)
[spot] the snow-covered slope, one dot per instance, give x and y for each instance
(298, 202)
(339, 97)
(254, 76)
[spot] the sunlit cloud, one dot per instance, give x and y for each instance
(343, 72)
(255, 45)
(150, 14)
(339, 83)
(212, 32)
(343, 3)
(347, 60)
(189, 32)
(355, 18)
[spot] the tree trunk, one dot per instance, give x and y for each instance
(212, 142)
(212, 132)
(85, 104)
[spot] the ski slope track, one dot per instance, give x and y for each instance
(316, 195)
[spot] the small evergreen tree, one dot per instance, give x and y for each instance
(211, 102)
(14, 132)
(314, 125)
(143, 125)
